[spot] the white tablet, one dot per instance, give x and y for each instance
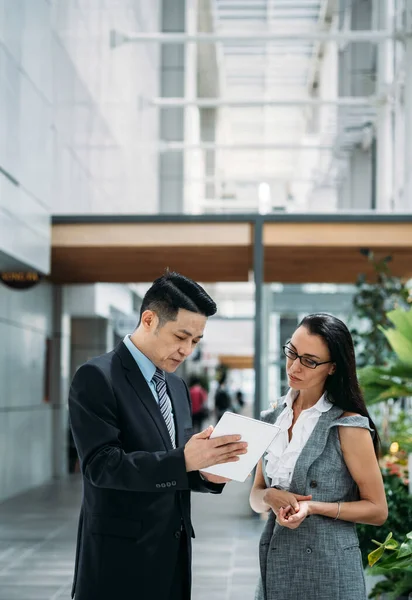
(259, 436)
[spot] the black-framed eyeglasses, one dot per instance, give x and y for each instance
(304, 360)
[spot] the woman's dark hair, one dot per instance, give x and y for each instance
(343, 385)
(173, 291)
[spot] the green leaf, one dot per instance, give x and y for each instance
(406, 548)
(381, 383)
(375, 555)
(401, 564)
(402, 319)
(391, 545)
(400, 338)
(401, 345)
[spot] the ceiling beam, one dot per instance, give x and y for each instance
(260, 101)
(183, 146)
(117, 38)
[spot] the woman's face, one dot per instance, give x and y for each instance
(314, 348)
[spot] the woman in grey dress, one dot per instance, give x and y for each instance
(320, 476)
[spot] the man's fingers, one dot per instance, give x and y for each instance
(227, 460)
(205, 433)
(235, 452)
(222, 440)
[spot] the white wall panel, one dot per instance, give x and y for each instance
(26, 134)
(25, 419)
(77, 135)
(103, 121)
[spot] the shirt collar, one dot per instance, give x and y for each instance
(322, 405)
(146, 366)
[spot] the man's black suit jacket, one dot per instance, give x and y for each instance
(136, 491)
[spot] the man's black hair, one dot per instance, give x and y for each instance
(173, 291)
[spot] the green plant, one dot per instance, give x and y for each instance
(371, 303)
(399, 513)
(401, 431)
(393, 380)
(399, 517)
(395, 566)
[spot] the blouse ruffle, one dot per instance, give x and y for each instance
(282, 455)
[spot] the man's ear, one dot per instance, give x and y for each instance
(149, 320)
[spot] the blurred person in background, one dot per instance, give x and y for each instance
(223, 401)
(198, 398)
(240, 401)
(131, 422)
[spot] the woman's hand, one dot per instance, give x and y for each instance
(278, 499)
(288, 518)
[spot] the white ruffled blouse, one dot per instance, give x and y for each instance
(282, 455)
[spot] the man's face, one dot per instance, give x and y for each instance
(172, 343)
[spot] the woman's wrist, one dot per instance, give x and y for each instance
(311, 507)
(324, 509)
(266, 496)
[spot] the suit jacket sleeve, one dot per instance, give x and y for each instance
(94, 422)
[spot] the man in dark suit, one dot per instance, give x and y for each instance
(132, 426)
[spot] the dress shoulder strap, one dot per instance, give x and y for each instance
(353, 421)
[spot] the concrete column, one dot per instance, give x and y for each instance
(287, 326)
(193, 191)
(59, 383)
(208, 134)
(407, 196)
(355, 60)
(89, 337)
(171, 167)
(258, 273)
(266, 392)
(384, 133)
(356, 192)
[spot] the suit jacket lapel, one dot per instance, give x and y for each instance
(175, 395)
(141, 387)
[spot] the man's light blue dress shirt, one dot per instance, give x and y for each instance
(146, 366)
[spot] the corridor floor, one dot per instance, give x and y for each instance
(38, 531)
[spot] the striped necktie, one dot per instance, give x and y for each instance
(165, 404)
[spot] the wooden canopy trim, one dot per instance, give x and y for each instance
(150, 235)
(332, 235)
(236, 362)
(295, 251)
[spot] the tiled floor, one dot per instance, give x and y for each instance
(37, 541)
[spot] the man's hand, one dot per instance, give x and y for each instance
(214, 478)
(278, 499)
(202, 452)
(291, 519)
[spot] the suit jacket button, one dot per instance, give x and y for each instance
(163, 485)
(158, 485)
(169, 484)
(173, 482)
(177, 534)
(313, 484)
(308, 550)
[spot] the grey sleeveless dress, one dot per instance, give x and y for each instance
(320, 560)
